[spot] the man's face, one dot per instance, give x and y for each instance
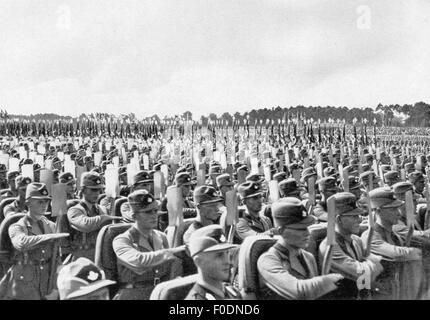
(296, 236)
(215, 265)
(255, 203)
(91, 195)
(211, 211)
(37, 207)
(147, 219)
(185, 190)
(350, 224)
(356, 192)
(419, 185)
(70, 187)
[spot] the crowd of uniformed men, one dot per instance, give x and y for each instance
(373, 251)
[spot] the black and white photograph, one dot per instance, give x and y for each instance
(221, 150)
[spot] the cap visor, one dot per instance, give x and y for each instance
(396, 203)
(94, 187)
(306, 222)
(212, 201)
(90, 288)
(221, 247)
(253, 195)
(355, 212)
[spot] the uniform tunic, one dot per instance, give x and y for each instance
(28, 277)
(142, 264)
(252, 226)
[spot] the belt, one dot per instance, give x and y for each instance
(37, 263)
(141, 284)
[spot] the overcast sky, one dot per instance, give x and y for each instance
(169, 56)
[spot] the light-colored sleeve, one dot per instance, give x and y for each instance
(243, 229)
(81, 222)
(389, 251)
(136, 260)
(22, 241)
(346, 265)
(278, 279)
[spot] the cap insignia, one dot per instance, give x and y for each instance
(92, 276)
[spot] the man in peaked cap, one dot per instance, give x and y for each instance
(214, 171)
(327, 186)
(87, 217)
(12, 191)
(184, 182)
(278, 177)
(208, 204)
(286, 270)
(290, 188)
(143, 253)
(212, 256)
(70, 182)
(224, 184)
(365, 178)
(391, 177)
(251, 220)
(389, 244)
(18, 205)
(330, 172)
(409, 167)
(83, 280)
(418, 181)
(369, 159)
(348, 255)
(31, 238)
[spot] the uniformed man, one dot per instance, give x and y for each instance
(224, 184)
(208, 204)
(286, 270)
(251, 220)
(391, 177)
(212, 256)
(403, 270)
(214, 171)
(70, 182)
(31, 237)
(327, 187)
(290, 188)
(417, 179)
(19, 205)
(12, 191)
(141, 181)
(278, 177)
(87, 217)
(83, 280)
(348, 253)
(143, 253)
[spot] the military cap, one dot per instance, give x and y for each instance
(97, 169)
(364, 176)
(392, 176)
(400, 188)
(36, 167)
(208, 239)
(88, 159)
(249, 189)
(206, 194)
(56, 160)
(91, 180)
(73, 156)
(280, 176)
(368, 157)
(254, 177)
(3, 168)
(80, 160)
(213, 163)
(12, 175)
(224, 180)
(410, 166)
(79, 278)
(293, 166)
(290, 211)
(25, 161)
(307, 173)
(354, 182)
(157, 166)
(327, 183)
(350, 169)
(122, 171)
(214, 170)
(415, 176)
(183, 179)
(181, 170)
(346, 205)
(141, 201)
(330, 171)
(383, 197)
(243, 168)
(37, 190)
(22, 182)
(142, 177)
(385, 167)
(289, 187)
(237, 165)
(67, 178)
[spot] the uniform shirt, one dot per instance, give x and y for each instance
(27, 280)
(248, 225)
(13, 208)
(320, 211)
(291, 274)
(205, 292)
